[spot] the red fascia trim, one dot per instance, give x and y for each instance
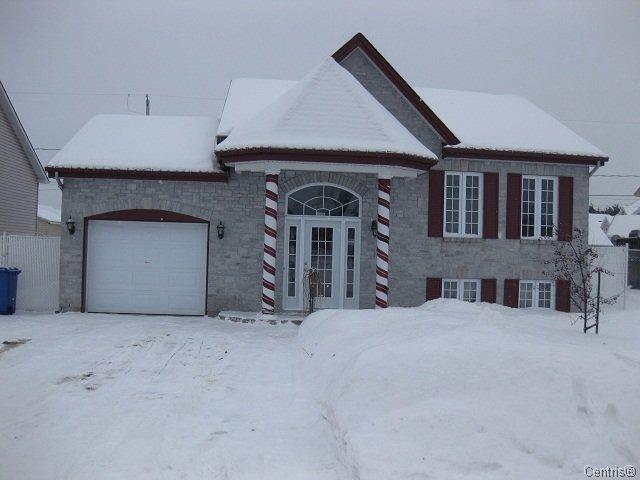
(137, 174)
(516, 155)
(326, 156)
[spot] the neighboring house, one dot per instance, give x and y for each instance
(598, 225)
(48, 221)
(20, 173)
(388, 194)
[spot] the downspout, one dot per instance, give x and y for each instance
(595, 169)
(58, 181)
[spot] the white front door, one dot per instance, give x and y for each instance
(322, 261)
(323, 255)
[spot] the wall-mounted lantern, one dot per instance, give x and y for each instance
(374, 228)
(220, 229)
(71, 226)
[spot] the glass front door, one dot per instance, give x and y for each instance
(322, 260)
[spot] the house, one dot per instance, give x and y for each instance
(20, 173)
(349, 186)
(48, 222)
(598, 225)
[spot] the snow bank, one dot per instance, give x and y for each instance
(454, 390)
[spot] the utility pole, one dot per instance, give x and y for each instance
(147, 103)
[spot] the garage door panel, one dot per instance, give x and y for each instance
(146, 267)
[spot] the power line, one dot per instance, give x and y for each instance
(115, 94)
(46, 149)
(613, 122)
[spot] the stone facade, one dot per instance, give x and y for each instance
(415, 256)
(235, 262)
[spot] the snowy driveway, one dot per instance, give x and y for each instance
(120, 396)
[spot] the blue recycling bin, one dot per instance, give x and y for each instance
(8, 289)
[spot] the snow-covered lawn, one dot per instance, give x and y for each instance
(453, 390)
(123, 396)
(445, 391)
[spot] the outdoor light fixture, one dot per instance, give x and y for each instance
(71, 226)
(374, 228)
(220, 229)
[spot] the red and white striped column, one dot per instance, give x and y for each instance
(382, 243)
(270, 234)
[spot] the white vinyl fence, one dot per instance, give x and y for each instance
(39, 260)
(616, 261)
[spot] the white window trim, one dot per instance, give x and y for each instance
(536, 297)
(537, 221)
(460, 289)
(463, 204)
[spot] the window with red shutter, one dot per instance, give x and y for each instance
(434, 288)
(488, 290)
(490, 205)
(565, 209)
(511, 292)
(563, 296)
(436, 203)
(514, 199)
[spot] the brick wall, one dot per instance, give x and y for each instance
(414, 256)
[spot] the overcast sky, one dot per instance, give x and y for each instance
(579, 60)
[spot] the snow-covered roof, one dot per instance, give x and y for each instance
(138, 142)
(246, 97)
(479, 120)
(633, 208)
(50, 214)
(622, 225)
(503, 122)
(597, 236)
(327, 110)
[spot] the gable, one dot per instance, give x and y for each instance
(365, 63)
(330, 111)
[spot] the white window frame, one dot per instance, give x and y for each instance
(536, 293)
(537, 221)
(460, 287)
(463, 204)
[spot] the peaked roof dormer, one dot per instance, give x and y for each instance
(329, 114)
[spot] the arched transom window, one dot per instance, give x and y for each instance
(323, 200)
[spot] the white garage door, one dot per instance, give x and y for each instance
(146, 267)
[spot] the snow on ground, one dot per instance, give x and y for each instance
(148, 397)
(448, 390)
(453, 390)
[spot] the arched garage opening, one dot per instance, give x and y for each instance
(145, 261)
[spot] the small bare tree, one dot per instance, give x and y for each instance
(575, 261)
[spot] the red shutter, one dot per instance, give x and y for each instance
(490, 205)
(563, 297)
(436, 203)
(488, 288)
(434, 288)
(514, 204)
(565, 208)
(511, 292)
